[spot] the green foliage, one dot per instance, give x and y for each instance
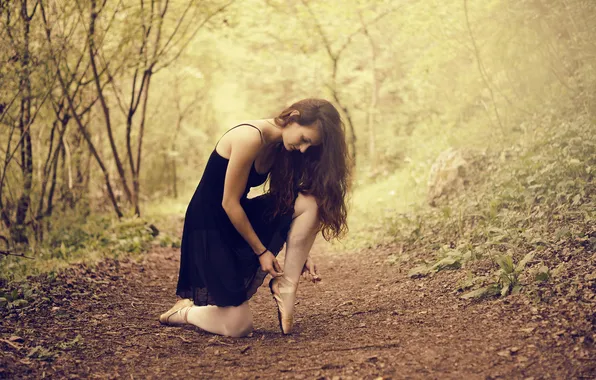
(168, 241)
(447, 259)
(131, 235)
(542, 274)
(483, 292)
(76, 341)
(75, 238)
(525, 204)
(509, 272)
(18, 297)
(41, 353)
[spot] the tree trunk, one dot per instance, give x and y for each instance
(103, 102)
(174, 158)
(135, 180)
(345, 110)
(18, 234)
(374, 96)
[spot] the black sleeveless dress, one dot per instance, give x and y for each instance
(217, 265)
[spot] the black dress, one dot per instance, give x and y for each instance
(217, 265)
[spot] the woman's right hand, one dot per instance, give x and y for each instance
(269, 264)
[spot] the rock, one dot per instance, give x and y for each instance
(447, 175)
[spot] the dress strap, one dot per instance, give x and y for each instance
(239, 125)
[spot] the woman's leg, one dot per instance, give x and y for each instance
(301, 237)
(303, 230)
(234, 321)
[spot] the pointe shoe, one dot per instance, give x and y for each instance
(284, 299)
(177, 314)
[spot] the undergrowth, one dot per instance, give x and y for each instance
(78, 238)
(527, 216)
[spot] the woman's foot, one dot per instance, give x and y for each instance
(284, 294)
(177, 314)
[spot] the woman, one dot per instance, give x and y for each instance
(230, 242)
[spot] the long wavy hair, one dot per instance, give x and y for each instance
(322, 171)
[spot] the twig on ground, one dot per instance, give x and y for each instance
(143, 318)
(388, 345)
(136, 302)
(11, 344)
(9, 253)
(175, 336)
(215, 341)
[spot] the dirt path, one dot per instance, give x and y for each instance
(365, 320)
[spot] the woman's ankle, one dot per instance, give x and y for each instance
(285, 285)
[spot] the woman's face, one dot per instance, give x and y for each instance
(300, 137)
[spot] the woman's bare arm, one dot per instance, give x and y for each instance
(245, 144)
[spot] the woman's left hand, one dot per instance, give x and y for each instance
(309, 272)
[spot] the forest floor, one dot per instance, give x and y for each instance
(366, 319)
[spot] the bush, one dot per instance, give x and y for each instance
(76, 238)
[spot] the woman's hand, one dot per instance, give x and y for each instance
(269, 264)
(309, 271)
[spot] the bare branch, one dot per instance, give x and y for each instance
(29, 17)
(322, 34)
(481, 68)
(180, 21)
(378, 18)
(185, 44)
(6, 108)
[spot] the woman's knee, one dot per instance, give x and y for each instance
(239, 321)
(239, 328)
(306, 203)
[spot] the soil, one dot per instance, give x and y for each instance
(366, 319)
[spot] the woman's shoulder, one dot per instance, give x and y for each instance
(248, 128)
(246, 135)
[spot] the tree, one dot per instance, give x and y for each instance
(18, 31)
(154, 48)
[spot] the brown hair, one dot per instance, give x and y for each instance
(322, 171)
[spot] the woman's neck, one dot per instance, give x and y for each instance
(271, 132)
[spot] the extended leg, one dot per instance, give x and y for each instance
(234, 321)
